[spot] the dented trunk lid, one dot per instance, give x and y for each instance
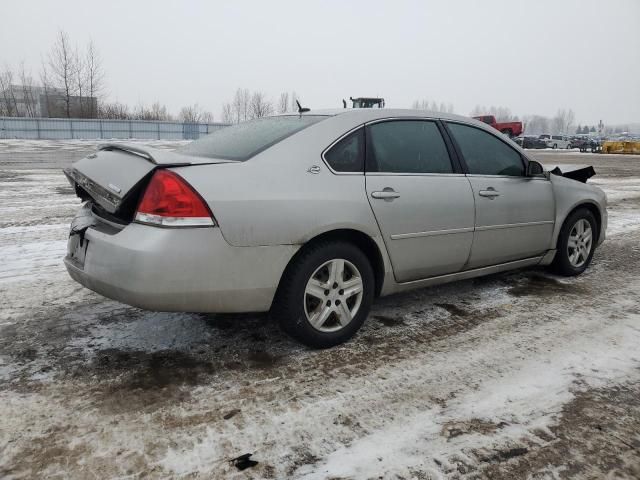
(116, 173)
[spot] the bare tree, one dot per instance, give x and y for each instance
(80, 81)
(420, 104)
(283, 103)
(562, 121)
(114, 111)
(206, 116)
(28, 98)
(62, 67)
(155, 112)
(260, 106)
(227, 113)
(94, 75)
(536, 124)
(194, 114)
(240, 104)
(9, 106)
(424, 104)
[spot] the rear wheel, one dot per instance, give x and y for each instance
(555, 145)
(324, 297)
(576, 243)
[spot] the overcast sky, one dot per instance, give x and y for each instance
(532, 56)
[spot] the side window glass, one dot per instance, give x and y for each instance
(407, 146)
(486, 154)
(348, 154)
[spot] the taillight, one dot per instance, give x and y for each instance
(170, 201)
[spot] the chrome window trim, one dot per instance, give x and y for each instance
(398, 174)
(519, 177)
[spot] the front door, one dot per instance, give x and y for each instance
(424, 208)
(514, 213)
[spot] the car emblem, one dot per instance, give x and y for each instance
(315, 169)
(115, 188)
(92, 155)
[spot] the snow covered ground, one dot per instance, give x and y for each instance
(518, 375)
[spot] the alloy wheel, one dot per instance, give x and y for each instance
(579, 243)
(333, 295)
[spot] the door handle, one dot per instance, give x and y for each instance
(387, 194)
(489, 192)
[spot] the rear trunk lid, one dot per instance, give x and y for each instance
(115, 176)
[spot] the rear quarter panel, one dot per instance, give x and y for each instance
(272, 199)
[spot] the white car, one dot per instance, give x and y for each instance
(556, 141)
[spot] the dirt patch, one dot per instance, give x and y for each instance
(453, 309)
(539, 285)
(135, 380)
(147, 371)
(597, 437)
(476, 425)
(262, 360)
(388, 321)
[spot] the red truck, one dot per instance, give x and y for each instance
(512, 129)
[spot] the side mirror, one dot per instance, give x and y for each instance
(534, 169)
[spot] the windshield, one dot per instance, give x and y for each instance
(244, 140)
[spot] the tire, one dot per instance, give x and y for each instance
(306, 294)
(568, 146)
(567, 261)
(555, 146)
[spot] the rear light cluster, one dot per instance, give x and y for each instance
(169, 201)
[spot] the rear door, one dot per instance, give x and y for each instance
(514, 213)
(423, 204)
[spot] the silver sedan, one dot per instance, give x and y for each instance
(311, 216)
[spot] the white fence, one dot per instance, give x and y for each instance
(63, 128)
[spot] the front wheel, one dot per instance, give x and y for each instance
(325, 295)
(576, 243)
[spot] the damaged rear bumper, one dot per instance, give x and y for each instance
(188, 269)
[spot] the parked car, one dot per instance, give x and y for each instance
(556, 141)
(529, 141)
(585, 143)
(294, 215)
(511, 129)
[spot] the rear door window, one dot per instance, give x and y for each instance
(407, 146)
(348, 154)
(484, 153)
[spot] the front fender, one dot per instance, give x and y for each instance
(571, 194)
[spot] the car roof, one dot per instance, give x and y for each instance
(367, 114)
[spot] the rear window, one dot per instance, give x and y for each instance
(244, 140)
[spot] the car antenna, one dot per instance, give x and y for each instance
(301, 109)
